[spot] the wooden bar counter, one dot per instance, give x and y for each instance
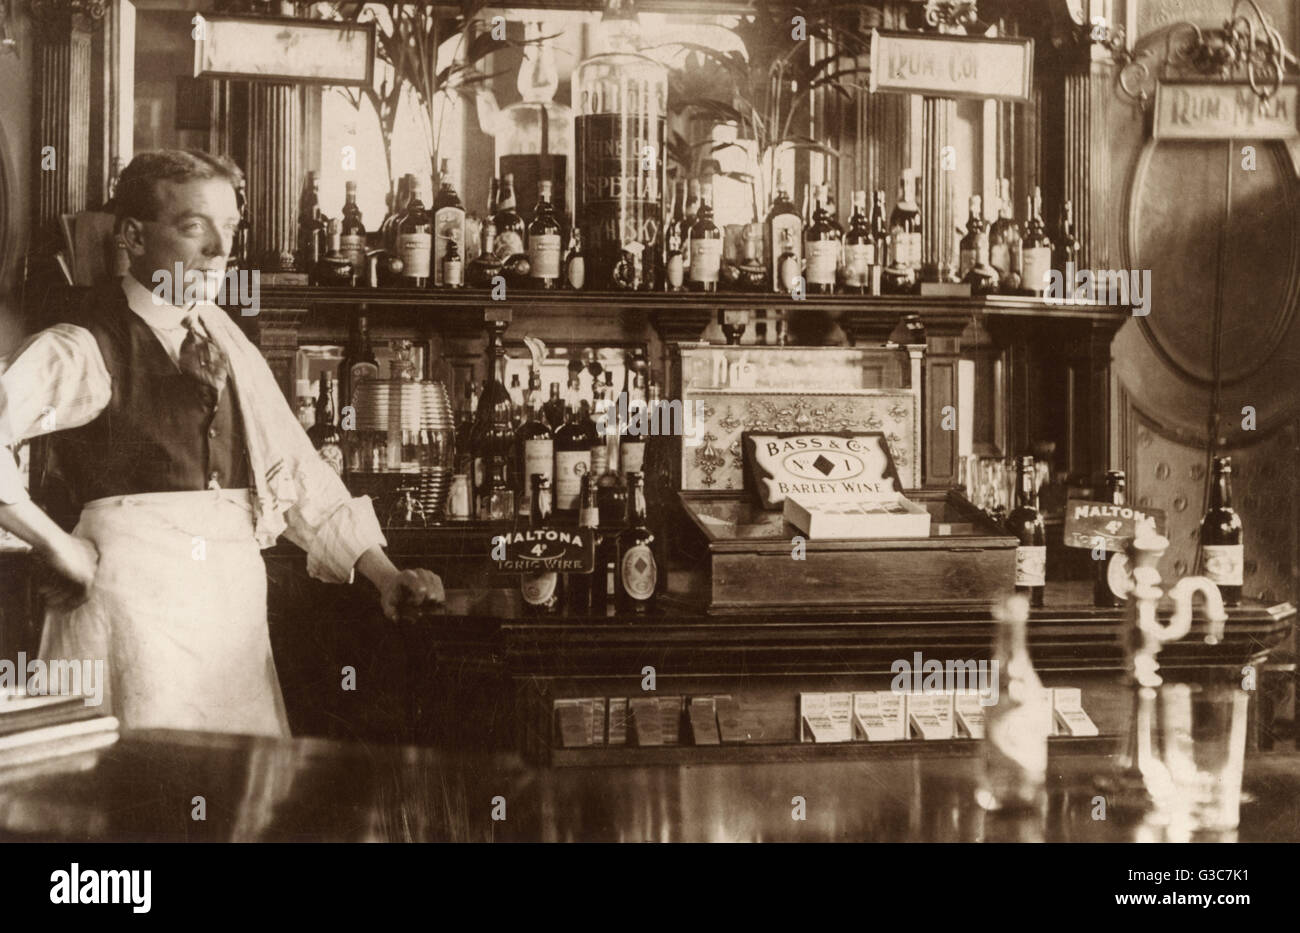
(142, 788)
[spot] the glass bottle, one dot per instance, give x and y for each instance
(620, 102)
(1102, 595)
(1222, 550)
(392, 264)
(553, 410)
(492, 440)
(510, 226)
(536, 439)
(974, 229)
(581, 585)
(1068, 250)
(542, 590)
(1026, 524)
(823, 245)
(312, 231)
(631, 445)
(982, 277)
(1036, 249)
(859, 248)
(452, 266)
(572, 452)
(705, 246)
(359, 363)
(880, 237)
(638, 571)
(324, 433)
(675, 263)
(900, 277)
(575, 263)
(784, 228)
(1004, 241)
(448, 224)
(333, 268)
(544, 242)
(485, 267)
(1017, 726)
(415, 239)
(352, 240)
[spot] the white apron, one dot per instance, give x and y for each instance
(177, 612)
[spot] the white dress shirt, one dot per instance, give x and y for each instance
(57, 380)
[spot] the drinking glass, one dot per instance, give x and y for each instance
(1203, 743)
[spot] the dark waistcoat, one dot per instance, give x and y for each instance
(163, 431)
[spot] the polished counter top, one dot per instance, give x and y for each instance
(142, 788)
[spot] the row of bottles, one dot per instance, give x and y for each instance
(1221, 554)
(1001, 258)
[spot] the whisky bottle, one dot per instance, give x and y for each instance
(553, 410)
(631, 444)
(969, 242)
(1222, 551)
(705, 246)
(485, 267)
(1004, 241)
(1026, 524)
(536, 441)
(981, 277)
(581, 585)
(1102, 595)
(823, 242)
(452, 266)
(900, 276)
(333, 268)
(572, 453)
(879, 237)
(674, 243)
(391, 266)
(859, 248)
(1017, 726)
(1037, 249)
(324, 434)
(415, 239)
(492, 441)
(784, 229)
(544, 241)
(638, 571)
(359, 364)
(311, 226)
(541, 590)
(448, 226)
(352, 240)
(510, 226)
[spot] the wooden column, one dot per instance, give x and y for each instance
(1088, 90)
(274, 172)
(63, 130)
(939, 390)
(936, 191)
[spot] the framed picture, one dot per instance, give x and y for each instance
(284, 49)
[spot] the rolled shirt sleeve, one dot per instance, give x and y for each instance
(56, 380)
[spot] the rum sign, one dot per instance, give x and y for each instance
(952, 66)
(1224, 111)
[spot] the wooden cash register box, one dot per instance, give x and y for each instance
(966, 560)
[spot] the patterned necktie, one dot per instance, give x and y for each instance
(202, 359)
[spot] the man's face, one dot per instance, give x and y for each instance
(195, 227)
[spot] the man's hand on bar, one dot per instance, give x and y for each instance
(398, 588)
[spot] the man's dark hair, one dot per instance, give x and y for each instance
(136, 194)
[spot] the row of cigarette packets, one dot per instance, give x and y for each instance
(885, 716)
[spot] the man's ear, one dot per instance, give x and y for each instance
(132, 236)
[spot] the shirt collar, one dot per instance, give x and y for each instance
(155, 312)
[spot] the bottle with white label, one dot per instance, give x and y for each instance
(784, 231)
(1036, 249)
(1017, 726)
(900, 276)
(1026, 523)
(638, 571)
(448, 229)
(859, 248)
(1222, 551)
(415, 239)
(541, 590)
(572, 452)
(544, 244)
(823, 242)
(535, 438)
(352, 239)
(705, 246)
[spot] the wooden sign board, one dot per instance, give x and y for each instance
(270, 48)
(536, 550)
(952, 66)
(1188, 110)
(1116, 525)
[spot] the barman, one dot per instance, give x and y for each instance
(175, 440)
